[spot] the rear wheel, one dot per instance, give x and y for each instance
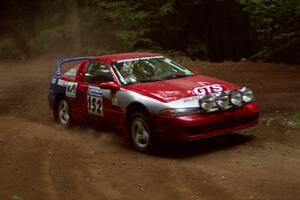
(142, 133)
(63, 112)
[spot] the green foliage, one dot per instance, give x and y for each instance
(196, 49)
(296, 115)
(276, 23)
(134, 21)
(207, 29)
(294, 119)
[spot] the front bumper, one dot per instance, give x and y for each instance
(193, 127)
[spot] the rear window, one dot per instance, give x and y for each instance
(71, 73)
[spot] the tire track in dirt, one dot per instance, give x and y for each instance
(21, 160)
(40, 160)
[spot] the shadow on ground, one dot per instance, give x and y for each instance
(172, 149)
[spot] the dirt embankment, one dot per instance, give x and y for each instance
(40, 160)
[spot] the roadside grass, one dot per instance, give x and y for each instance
(295, 119)
(16, 197)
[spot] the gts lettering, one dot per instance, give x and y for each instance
(208, 89)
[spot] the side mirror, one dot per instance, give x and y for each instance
(110, 86)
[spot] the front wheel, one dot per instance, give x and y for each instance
(142, 133)
(63, 112)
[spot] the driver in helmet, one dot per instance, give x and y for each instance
(126, 72)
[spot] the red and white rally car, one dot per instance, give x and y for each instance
(150, 97)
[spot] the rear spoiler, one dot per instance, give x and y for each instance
(66, 60)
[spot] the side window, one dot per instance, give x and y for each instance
(97, 72)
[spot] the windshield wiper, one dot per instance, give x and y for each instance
(151, 80)
(173, 76)
(182, 75)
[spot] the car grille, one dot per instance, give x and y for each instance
(219, 126)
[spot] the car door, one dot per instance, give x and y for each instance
(96, 101)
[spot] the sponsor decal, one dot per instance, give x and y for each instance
(95, 91)
(190, 99)
(62, 82)
(137, 59)
(53, 81)
(94, 100)
(71, 89)
(208, 89)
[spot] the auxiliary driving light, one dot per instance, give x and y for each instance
(236, 98)
(222, 100)
(207, 103)
(247, 95)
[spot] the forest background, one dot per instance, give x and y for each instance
(215, 30)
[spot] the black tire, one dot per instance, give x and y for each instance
(63, 112)
(142, 132)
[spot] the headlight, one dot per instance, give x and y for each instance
(247, 95)
(175, 112)
(236, 98)
(207, 103)
(222, 100)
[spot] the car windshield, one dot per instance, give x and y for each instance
(149, 69)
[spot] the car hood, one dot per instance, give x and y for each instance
(180, 88)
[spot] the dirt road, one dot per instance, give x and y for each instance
(41, 160)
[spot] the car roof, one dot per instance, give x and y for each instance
(123, 56)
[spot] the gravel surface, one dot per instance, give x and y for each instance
(41, 160)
